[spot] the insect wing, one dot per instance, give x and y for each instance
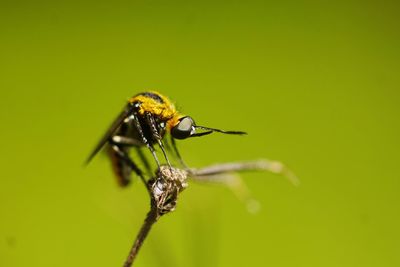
(111, 130)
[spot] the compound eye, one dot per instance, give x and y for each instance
(183, 129)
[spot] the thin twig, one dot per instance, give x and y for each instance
(151, 218)
(261, 165)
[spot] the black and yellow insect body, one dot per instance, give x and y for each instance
(143, 122)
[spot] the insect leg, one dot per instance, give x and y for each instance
(121, 154)
(144, 160)
(144, 139)
(126, 141)
(177, 153)
(156, 135)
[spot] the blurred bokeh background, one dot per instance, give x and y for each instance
(314, 83)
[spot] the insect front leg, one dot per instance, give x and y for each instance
(153, 127)
(145, 141)
(178, 154)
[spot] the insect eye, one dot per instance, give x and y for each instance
(183, 129)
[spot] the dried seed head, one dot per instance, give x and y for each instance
(166, 186)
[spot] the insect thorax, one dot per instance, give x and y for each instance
(154, 103)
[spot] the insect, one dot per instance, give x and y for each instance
(144, 121)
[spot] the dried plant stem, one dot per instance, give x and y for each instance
(152, 217)
(260, 165)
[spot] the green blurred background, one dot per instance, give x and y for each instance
(315, 83)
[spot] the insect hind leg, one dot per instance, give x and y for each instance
(123, 165)
(144, 160)
(128, 142)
